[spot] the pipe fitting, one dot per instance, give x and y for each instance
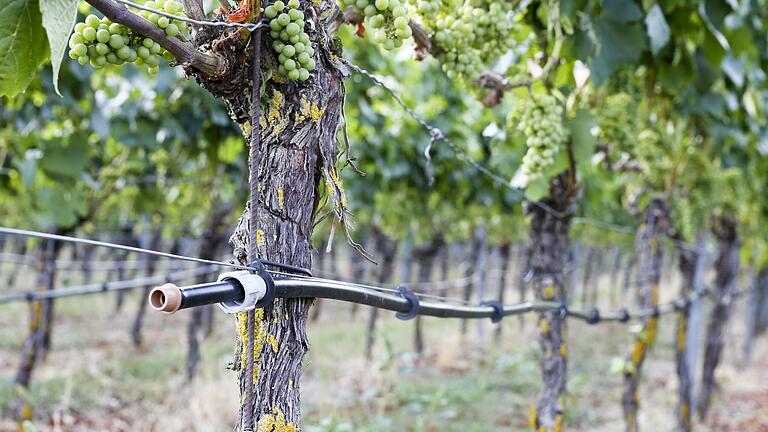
(254, 289)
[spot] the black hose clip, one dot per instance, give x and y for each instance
(257, 267)
(593, 316)
(498, 310)
(623, 315)
(562, 311)
(105, 286)
(413, 303)
(29, 296)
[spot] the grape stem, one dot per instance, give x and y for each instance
(185, 53)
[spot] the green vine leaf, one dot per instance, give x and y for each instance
(58, 19)
(658, 29)
(23, 46)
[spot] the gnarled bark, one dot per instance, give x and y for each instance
(649, 260)
(726, 271)
(547, 255)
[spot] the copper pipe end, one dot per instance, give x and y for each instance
(165, 298)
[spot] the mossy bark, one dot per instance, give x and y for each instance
(547, 256)
(649, 262)
(726, 272)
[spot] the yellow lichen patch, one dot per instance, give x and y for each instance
(563, 350)
(290, 383)
(549, 292)
(651, 330)
(260, 237)
(533, 417)
(655, 295)
(684, 413)
(303, 111)
(558, 423)
(246, 128)
(242, 336)
(272, 342)
(280, 197)
(543, 326)
(638, 351)
(315, 112)
(275, 422)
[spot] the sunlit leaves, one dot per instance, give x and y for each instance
(58, 17)
(23, 46)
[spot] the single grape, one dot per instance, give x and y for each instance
(293, 4)
(289, 51)
(270, 12)
(172, 30)
(156, 48)
(124, 53)
(72, 55)
(299, 47)
(112, 58)
(154, 18)
(310, 66)
(289, 65)
(143, 52)
(293, 74)
(279, 5)
(102, 49)
(303, 58)
(83, 60)
(284, 19)
(163, 22)
(303, 74)
(382, 4)
(295, 14)
(92, 21)
(76, 38)
(115, 29)
(79, 27)
(89, 34)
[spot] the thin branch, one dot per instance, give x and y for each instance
(185, 53)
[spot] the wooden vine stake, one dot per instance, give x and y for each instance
(649, 261)
(547, 256)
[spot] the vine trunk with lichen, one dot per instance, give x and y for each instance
(297, 152)
(649, 261)
(547, 257)
(687, 265)
(726, 272)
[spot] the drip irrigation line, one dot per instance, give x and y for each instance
(249, 27)
(69, 239)
(107, 286)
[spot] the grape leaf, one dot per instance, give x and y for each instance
(23, 46)
(619, 43)
(658, 29)
(58, 18)
(581, 136)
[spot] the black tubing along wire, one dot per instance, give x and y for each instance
(289, 285)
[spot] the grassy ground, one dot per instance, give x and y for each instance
(95, 380)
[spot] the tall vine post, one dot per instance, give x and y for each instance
(649, 261)
(726, 272)
(547, 255)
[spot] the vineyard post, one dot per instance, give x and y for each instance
(521, 279)
(688, 328)
(504, 258)
(424, 256)
(387, 249)
(589, 263)
(481, 267)
(726, 272)
(469, 273)
(761, 323)
(151, 241)
(31, 351)
(548, 253)
(574, 263)
(649, 260)
(751, 318)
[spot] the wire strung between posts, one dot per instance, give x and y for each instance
(76, 265)
(69, 239)
(95, 288)
(249, 27)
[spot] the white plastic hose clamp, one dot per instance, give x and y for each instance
(254, 289)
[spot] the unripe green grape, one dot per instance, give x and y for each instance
(370, 10)
(398, 12)
(80, 49)
(279, 5)
(100, 60)
(124, 53)
(147, 43)
(170, 7)
(282, 58)
(116, 41)
(79, 27)
(168, 57)
(389, 44)
(172, 30)
(154, 18)
(133, 57)
(293, 74)
(92, 51)
(293, 4)
(89, 34)
(283, 19)
(380, 36)
(299, 47)
(303, 74)
(310, 66)
(401, 22)
(152, 60)
(274, 34)
(92, 21)
(361, 4)
(139, 61)
(381, 4)
(153, 70)
(270, 12)
(83, 60)
(156, 48)
(300, 23)
(284, 36)
(290, 65)
(289, 51)
(102, 48)
(304, 38)
(72, 55)
(76, 38)
(303, 58)
(294, 39)
(143, 52)
(115, 29)
(275, 25)
(281, 70)
(278, 46)
(182, 26)
(112, 58)
(292, 29)
(163, 22)
(310, 50)
(295, 14)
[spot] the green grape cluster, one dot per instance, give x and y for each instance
(290, 42)
(618, 121)
(389, 19)
(540, 120)
(469, 33)
(99, 41)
